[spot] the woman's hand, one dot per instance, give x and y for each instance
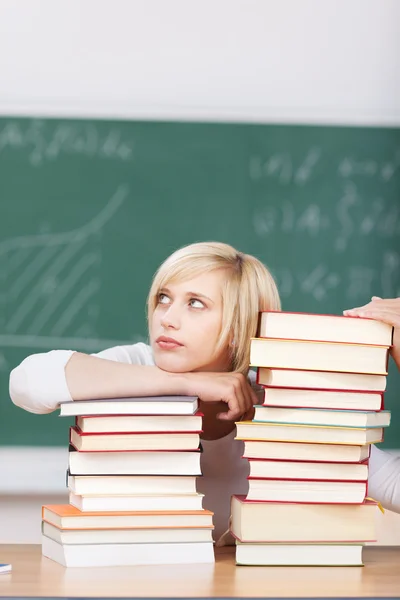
(386, 310)
(231, 388)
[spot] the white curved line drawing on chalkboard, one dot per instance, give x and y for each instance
(38, 294)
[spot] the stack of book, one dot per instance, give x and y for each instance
(133, 464)
(309, 442)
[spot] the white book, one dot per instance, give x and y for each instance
(328, 399)
(330, 328)
(128, 485)
(127, 536)
(124, 442)
(321, 380)
(137, 503)
(146, 405)
(119, 555)
(319, 356)
(134, 463)
(321, 492)
(302, 555)
(315, 416)
(139, 423)
(283, 432)
(281, 469)
(297, 451)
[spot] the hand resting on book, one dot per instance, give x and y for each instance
(386, 310)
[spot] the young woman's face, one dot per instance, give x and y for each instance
(186, 324)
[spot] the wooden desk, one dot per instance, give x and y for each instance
(34, 575)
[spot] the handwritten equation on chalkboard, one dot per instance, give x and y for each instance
(352, 217)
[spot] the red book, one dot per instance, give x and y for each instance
(306, 452)
(307, 491)
(320, 380)
(308, 470)
(139, 423)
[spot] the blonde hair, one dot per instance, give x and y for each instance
(248, 289)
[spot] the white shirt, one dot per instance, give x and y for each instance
(39, 384)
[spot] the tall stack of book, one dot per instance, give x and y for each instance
(133, 464)
(308, 444)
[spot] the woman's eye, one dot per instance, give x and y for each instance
(163, 299)
(194, 303)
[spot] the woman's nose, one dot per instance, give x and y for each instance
(171, 318)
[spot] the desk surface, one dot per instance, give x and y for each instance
(34, 575)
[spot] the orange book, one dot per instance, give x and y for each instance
(66, 516)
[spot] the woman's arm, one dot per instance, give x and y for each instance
(42, 381)
(384, 478)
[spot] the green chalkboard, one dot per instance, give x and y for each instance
(90, 208)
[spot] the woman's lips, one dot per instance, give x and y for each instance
(167, 343)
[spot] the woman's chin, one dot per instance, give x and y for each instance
(172, 365)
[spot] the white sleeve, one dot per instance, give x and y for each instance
(38, 384)
(384, 478)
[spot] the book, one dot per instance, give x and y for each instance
(315, 416)
(66, 516)
(284, 469)
(139, 423)
(98, 442)
(297, 451)
(109, 485)
(301, 555)
(134, 463)
(249, 430)
(319, 356)
(147, 405)
(5, 568)
(324, 492)
(321, 380)
(332, 399)
(324, 328)
(291, 522)
(118, 555)
(177, 502)
(126, 536)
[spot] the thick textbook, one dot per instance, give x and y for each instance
(291, 522)
(319, 356)
(119, 555)
(324, 328)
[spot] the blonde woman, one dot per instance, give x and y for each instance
(203, 309)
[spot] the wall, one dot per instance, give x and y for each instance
(252, 60)
(331, 61)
